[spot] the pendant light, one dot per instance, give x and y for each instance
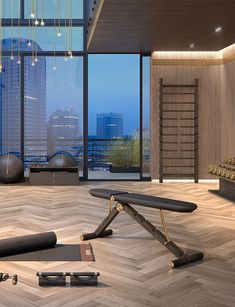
(70, 29)
(18, 57)
(42, 23)
(55, 35)
(29, 41)
(32, 15)
(59, 34)
(36, 22)
(66, 32)
(12, 30)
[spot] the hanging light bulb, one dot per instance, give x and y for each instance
(33, 64)
(36, 60)
(18, 62)
(59, 34)
(29, 43)
(54, 67)
(12, 57)
(36, 22)
(42, 21)
(65, 58)
(32, 15)
(71, 55)
(69, 52)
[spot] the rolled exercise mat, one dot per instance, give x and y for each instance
(29, 243)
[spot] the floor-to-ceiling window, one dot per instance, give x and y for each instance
(44, 108)
(42, 86)
(114, 116)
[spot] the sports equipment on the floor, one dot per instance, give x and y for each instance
(11, 168)
(124, 199)
(62, 160)
(6, 276)
(29, 243)
(76, 278)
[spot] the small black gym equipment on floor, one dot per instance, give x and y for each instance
(124, 199)
(76, 278)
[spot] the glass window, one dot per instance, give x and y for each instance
(113, 143)
(44, 37)
(47, 10)
(53, 109)
(146, 117)
(10, 107)
(10, 8)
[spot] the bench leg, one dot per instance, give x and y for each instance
(102, 230)
(182, 257)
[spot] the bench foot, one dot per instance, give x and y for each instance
(186, 259)
(93, 235)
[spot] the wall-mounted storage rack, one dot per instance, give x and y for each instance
(178, 131)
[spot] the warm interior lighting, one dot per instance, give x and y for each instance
(59, 34)
(42, 23)
(36, 22)
(192, 45)
(218, 29)
(32, 15)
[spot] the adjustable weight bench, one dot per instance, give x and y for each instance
(124, 199)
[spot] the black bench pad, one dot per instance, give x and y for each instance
(145, 200)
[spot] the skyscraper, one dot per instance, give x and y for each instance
(63, 132)
(34, 102)
(109, 125)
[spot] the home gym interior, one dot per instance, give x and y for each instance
(117, 162)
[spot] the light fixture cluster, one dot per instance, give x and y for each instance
(34, 21)
(217, 30)
(34, 13)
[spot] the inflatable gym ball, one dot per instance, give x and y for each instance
(62, 160)
(11, 168)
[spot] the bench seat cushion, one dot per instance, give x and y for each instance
(145, 200)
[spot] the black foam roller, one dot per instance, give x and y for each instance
(29, 243)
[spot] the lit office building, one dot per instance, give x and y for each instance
(34, 102)
(63, 132)
(109, 125)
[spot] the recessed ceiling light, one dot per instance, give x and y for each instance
(192, 45)
(218, 29)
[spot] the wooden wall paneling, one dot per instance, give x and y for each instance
(228, 111)
(209, 109)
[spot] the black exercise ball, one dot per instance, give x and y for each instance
(11, 168)
(62, 160)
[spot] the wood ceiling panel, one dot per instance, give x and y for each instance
(148, 25)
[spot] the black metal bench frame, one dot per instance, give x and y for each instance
(182, 257)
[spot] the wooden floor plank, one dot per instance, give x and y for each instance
(134, 267)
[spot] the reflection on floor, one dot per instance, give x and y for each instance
(107, 175)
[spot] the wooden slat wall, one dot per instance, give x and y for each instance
(228, 110)
(210, 105)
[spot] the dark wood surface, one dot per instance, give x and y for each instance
(148, 25)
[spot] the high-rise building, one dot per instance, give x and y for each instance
(63, 132)
(34, 102)
(109, 125)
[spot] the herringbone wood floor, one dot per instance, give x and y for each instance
(134, 267)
